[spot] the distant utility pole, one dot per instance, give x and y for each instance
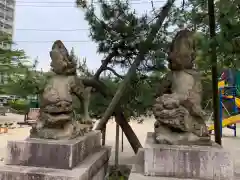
(212, 27)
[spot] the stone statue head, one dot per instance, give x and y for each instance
(181, 53)
(62, 62)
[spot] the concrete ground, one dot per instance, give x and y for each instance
(127, 156)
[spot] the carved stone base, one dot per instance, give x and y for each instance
(69, 131)
(178, 161)
(82, 158)
(94, 167)
(61, 154)
(164, 135)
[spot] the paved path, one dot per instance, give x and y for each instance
(11, 118)
(13, 134)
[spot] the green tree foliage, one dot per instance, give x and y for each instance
(119, 30)
(29, 82)
(227, 14)
(194, 15)
(9, 59)
(140, 94)
(12, 62)
(98, 103)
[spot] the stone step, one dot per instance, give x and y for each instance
(137, 176)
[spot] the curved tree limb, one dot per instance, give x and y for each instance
(120, 118)
(105, 62)
(114, 72)
(99, 86)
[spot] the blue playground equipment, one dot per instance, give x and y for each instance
(232, 98)
(228, 92)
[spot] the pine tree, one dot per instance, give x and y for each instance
(127, 41)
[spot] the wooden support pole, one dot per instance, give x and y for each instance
(212, 28)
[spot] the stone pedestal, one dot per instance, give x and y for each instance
(82, 158)
(195, 162)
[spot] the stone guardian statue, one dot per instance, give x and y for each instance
(56, 119)
(178, 112)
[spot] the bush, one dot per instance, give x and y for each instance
(19, 105)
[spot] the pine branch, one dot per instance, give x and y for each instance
(104, 64)
(144, 48)
(114, 72)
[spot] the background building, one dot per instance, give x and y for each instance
(7, 11)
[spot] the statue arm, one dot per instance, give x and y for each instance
(77, 87)
(83, 94)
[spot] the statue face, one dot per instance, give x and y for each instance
(182, 51)
(58, 64)
(61, 63)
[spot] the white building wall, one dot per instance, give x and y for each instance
(7, 12)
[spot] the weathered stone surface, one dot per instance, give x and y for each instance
(138, 176)
(101, 173)
(201, 162)
(93, 168)
(60, 154)
(56, 117)
(177, 110)
(138, 166)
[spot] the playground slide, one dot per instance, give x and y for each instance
(231, 120)
(221, 84)
(237, 100)
(228, 121)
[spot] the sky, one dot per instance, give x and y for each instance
(38, 23)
